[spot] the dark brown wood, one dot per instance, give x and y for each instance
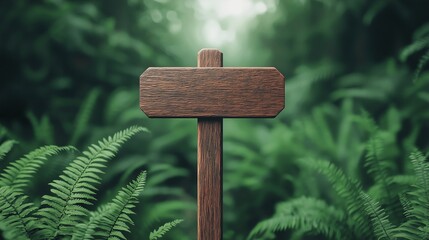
(210, 163)
(210, 178)
(211, 92)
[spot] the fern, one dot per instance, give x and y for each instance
(379, 168)
(416, 202)
(406, 205)
(348, 190)
(376, 166)
(19, 173)
(62, 215)
(421, 43)
(382, 227)
(16, 214)
(414, 47)
(86, 230)
(116, 220)
(422, 62)
(421, 168)
(62, 210)
(102, 224)
(5, 148)
(361, 216)
(161, 231)
(305, 214)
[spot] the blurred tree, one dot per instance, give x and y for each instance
(54, 52)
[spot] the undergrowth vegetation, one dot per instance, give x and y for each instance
(342, 153)
(65, 212)
(395, 207)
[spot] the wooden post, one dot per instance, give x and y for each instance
(210, 93)
(210, 142)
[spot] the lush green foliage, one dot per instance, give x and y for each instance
(64, 214)
(70, 76)
(357, 215)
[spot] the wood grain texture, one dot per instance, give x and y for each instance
(210, 178)
(210, 175)
(211, 91)
(210, 58)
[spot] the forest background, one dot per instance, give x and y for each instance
(355, 71)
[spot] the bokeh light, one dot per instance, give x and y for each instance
(223, 20)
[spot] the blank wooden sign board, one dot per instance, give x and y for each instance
(211, 92)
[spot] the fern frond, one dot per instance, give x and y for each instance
(348, 190)
(64, 208)
(382, 227)
(19, 173)
(406, 205)
(6, 147)
(86, 230)
(305, 214)
(421, 168)
(422, 62)
(117, 219)
(161, 231)
(416, 205)
(84, 115)
(377, 166)
(16, 214)
(374, 163)
(413, 48)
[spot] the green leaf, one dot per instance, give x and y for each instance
(116, 218)
(16, 214)
(382, 227)
(161, 231)
(19, 173)
(5, 147)
(305, 214)
(75, 188)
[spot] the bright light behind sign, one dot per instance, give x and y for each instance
(223, 18)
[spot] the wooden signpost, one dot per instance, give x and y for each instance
(211, 92)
